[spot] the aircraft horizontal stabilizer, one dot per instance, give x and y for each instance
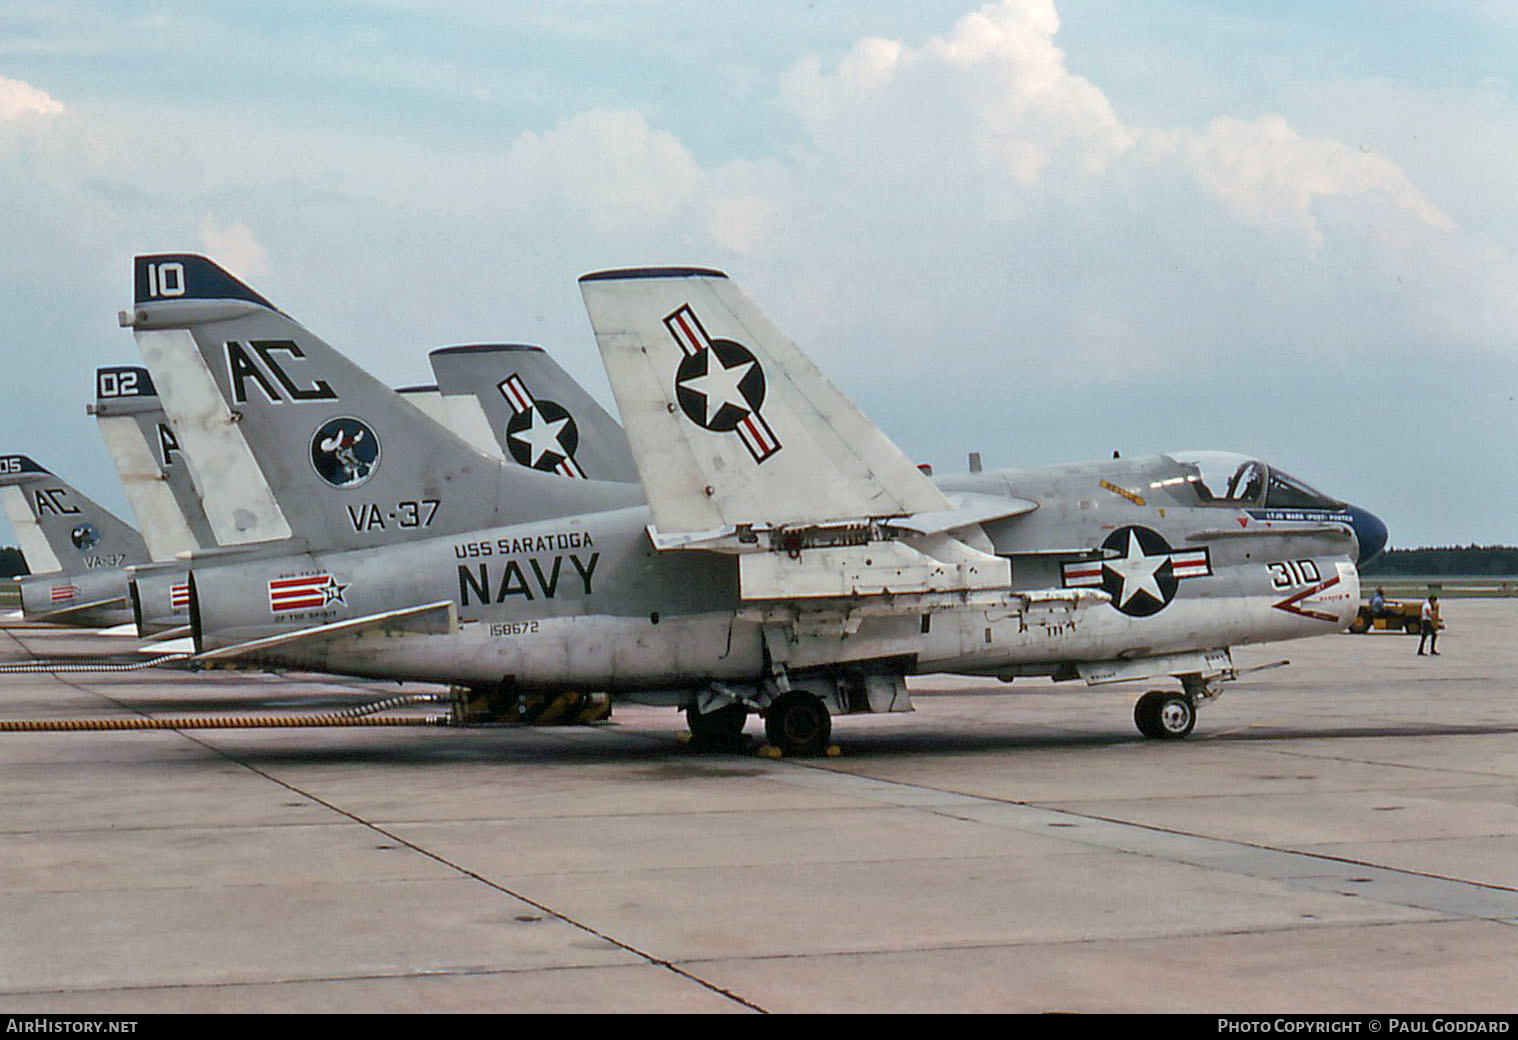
(177, 632)
(440, 618)
(77, 608)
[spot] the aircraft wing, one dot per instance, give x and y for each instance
(744, 446)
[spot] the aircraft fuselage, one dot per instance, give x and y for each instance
(587, 602)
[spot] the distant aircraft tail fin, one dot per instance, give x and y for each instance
(346, 461)
(60, 528)
(150, 462)
(540, 416)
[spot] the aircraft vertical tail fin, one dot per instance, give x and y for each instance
(460, 414)
(541, 417)
(150, 462)
(729, 422)
(346, 461)
(59, 527)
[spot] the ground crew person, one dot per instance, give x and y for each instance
(1429, 629)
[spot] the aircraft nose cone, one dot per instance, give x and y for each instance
(1370, 532)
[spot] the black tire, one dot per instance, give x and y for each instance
(1413, 626)
(798, 723)
(1162, 715)
(725, 723)
(1361, 624)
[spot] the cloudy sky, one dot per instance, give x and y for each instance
(1040, 229)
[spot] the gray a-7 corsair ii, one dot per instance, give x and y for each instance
(787, 559)
(507, 400)
(77, 551)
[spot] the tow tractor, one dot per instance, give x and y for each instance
(1397, 615)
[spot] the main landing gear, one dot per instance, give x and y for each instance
(720, 729)
(797, 724)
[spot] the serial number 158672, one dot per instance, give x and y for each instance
(513, 628)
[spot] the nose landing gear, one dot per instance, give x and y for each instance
(1171, 715)
(1164, 715)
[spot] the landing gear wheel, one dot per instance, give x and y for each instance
(723, 724)
(798, 723)
(1162, 715)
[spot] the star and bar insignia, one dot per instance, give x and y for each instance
(1138, 569)
(720, 384)
(540, 435)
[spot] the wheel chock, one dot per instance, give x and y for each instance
(771, 751)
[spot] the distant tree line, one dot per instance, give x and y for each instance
(11, 563)
(1470, 560)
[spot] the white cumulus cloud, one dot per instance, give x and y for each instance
(1268, 174)
(18, 99)
(234, 247)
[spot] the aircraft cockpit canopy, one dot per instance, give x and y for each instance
(1226, 479)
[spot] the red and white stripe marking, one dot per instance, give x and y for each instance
(1191, 563)
(64, 593)
(688, 331)
(1184, 563)
(1083, 574)
(179, 597)
(308, 592)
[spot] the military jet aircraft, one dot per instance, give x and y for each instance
(507, 400)
(76, 549)
(783, 557)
